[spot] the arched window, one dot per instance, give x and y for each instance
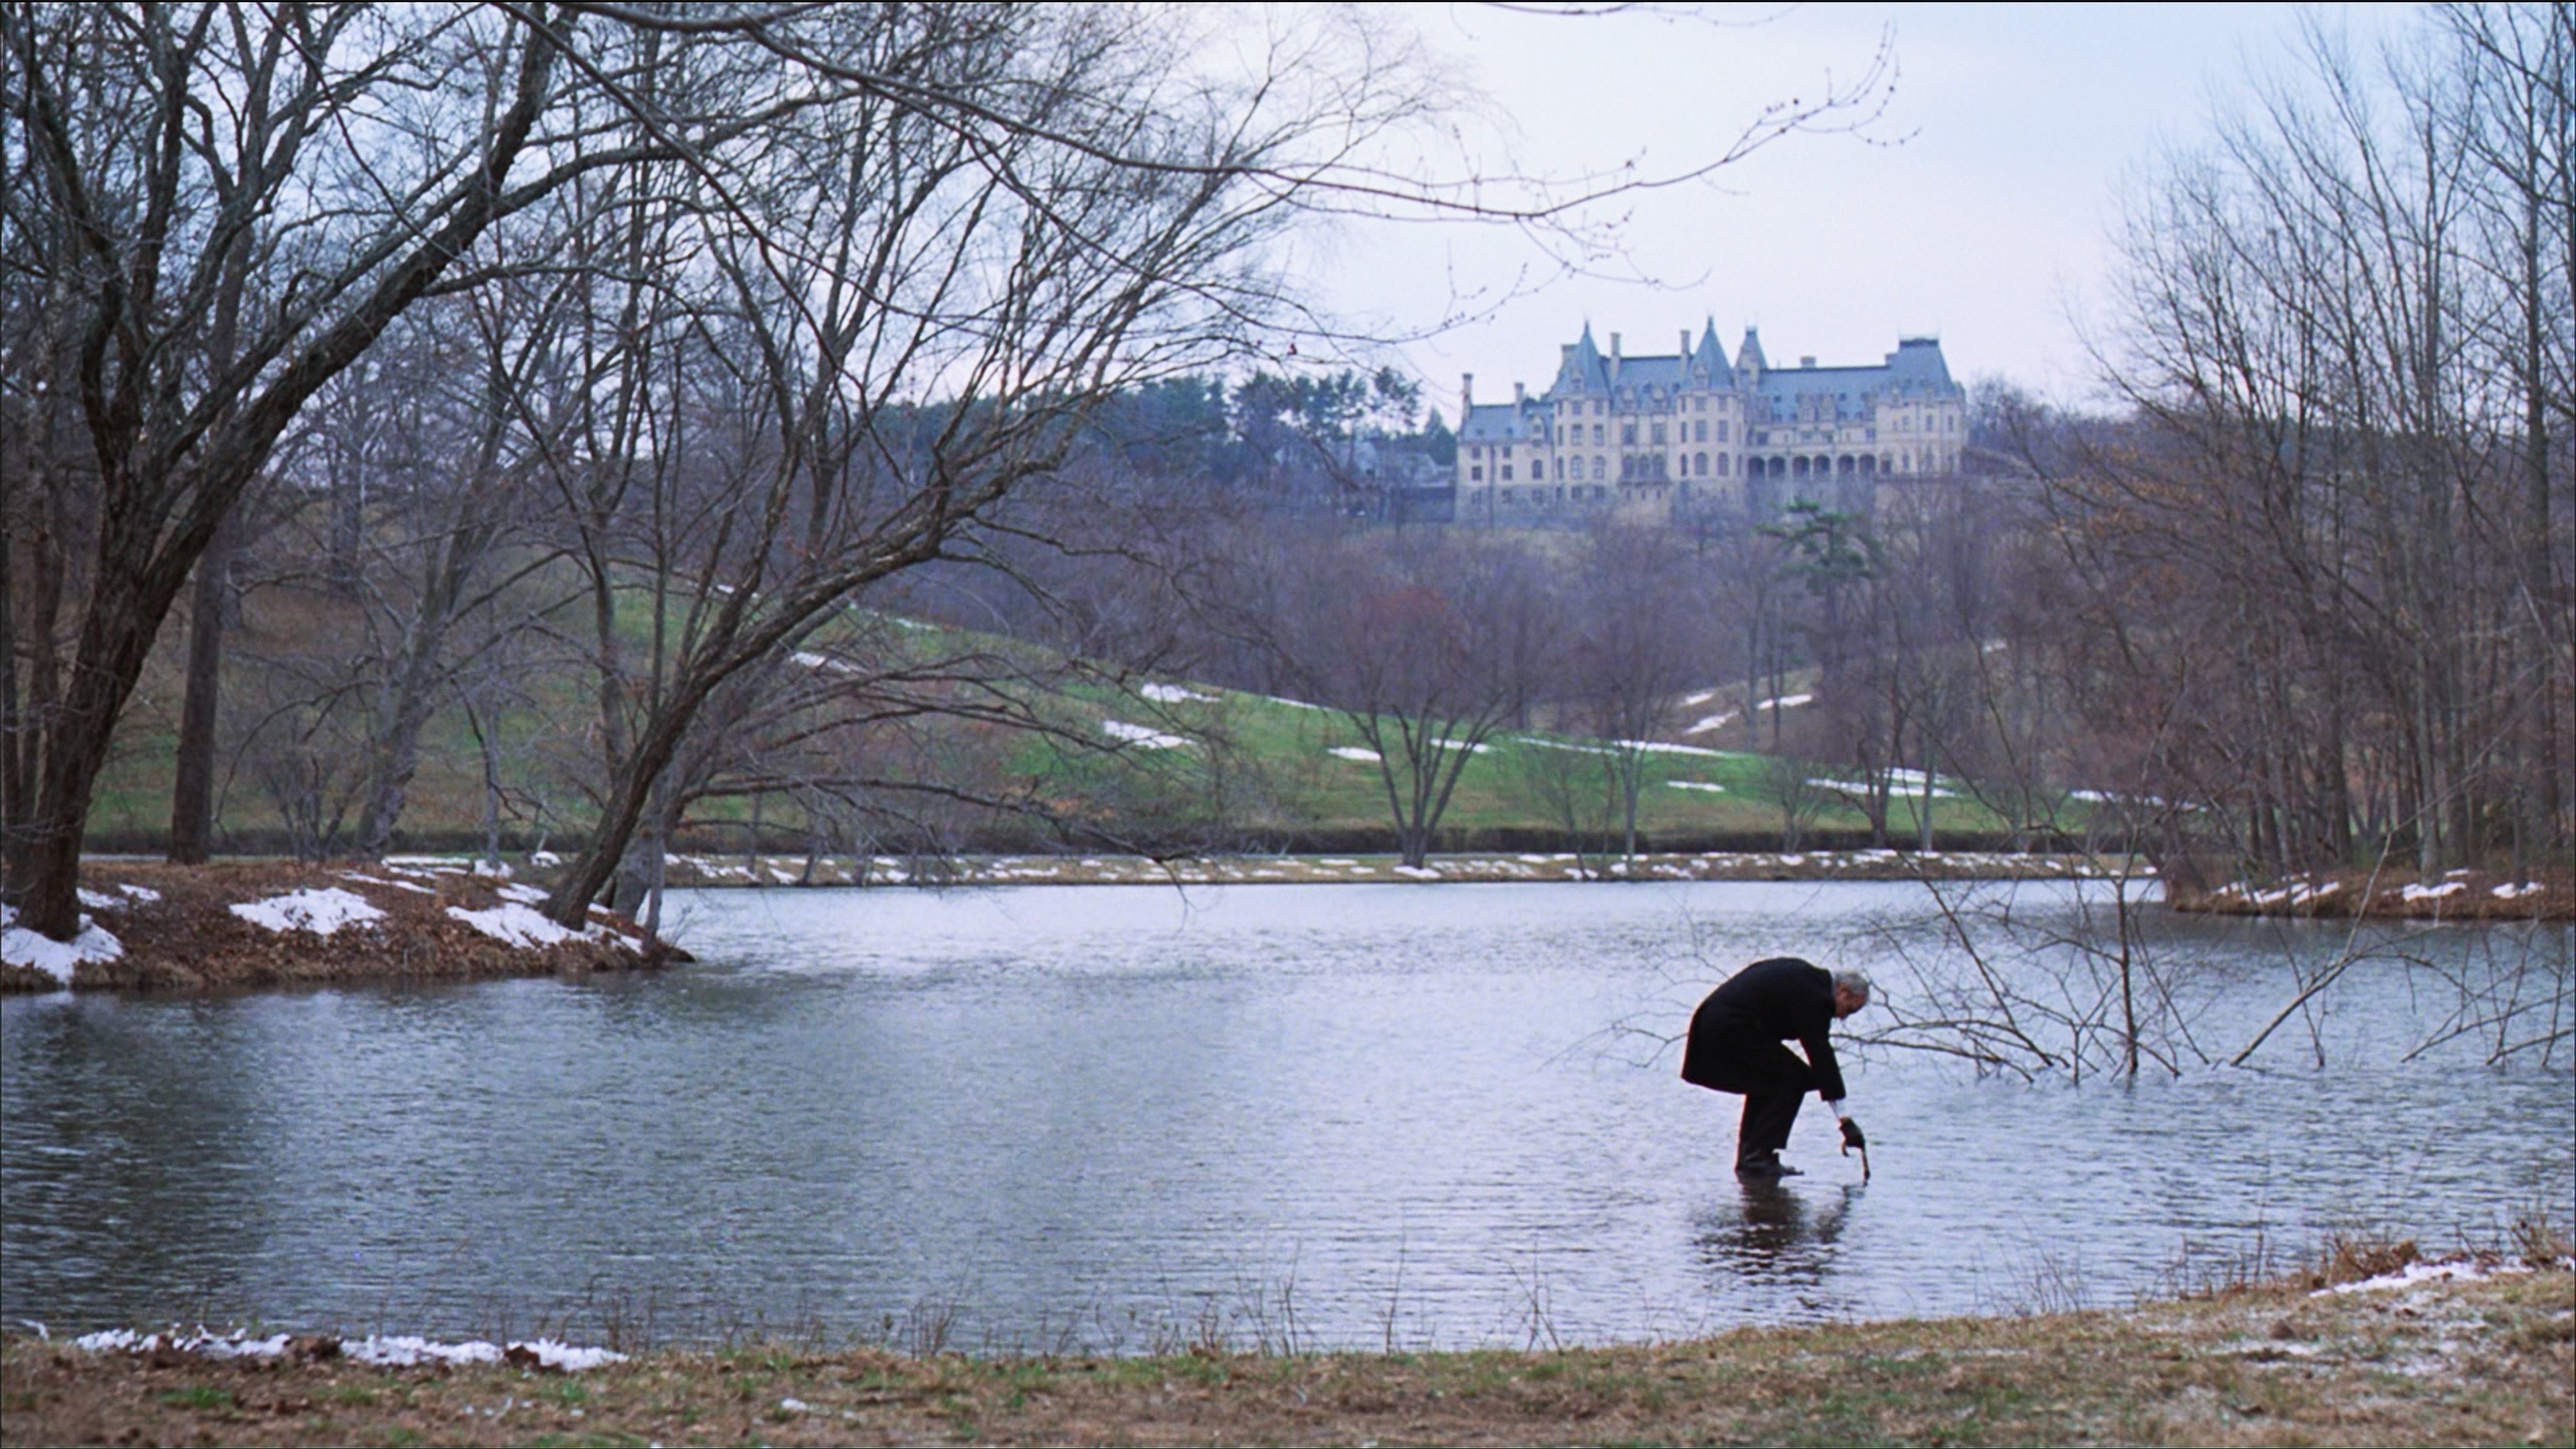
(1721, 465)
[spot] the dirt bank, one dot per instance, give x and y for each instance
(2428, 1360)
(234, 924)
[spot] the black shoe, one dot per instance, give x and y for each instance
(1766, 1167)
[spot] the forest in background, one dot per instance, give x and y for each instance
(742, 468)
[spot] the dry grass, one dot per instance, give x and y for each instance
(2485, 1361)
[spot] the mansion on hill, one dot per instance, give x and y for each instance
(1664, 434)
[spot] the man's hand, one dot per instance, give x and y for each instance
(1852, 1137)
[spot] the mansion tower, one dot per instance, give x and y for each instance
(1657, 435)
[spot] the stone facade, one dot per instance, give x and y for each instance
(1687, 431)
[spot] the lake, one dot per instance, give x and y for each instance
(1124, 1118)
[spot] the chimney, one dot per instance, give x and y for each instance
(1685, 345)
(1520, 394)
(1614, 357)
(1806, 362)
(1466, 395)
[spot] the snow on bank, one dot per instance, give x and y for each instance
(319, 911)
(1354, 752)
(1175, 694)
(516, 924)
(405, 1351)
(1143, 737)
(401, 885)
(1710, 786)
(2466, 1270)
(58, 959)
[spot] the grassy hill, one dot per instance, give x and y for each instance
(1134, 759)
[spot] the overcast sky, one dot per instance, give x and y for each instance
(1982, 211)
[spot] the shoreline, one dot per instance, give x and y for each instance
(2476, 1351)
(709, 871)
(253, 923)
(250, 924)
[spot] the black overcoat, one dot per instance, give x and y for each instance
(1735, 1035)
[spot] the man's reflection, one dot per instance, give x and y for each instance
(1773, 1235)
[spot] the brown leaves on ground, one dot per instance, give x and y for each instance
(189, 940)
(2490, 1361)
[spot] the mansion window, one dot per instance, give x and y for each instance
(1721, 465)
(1596, 435)
(1721, 430)
(1507, 472)
(1475, 475)
(1699, 464)
(1599, 470)
(1628, 435)
(1659, 435)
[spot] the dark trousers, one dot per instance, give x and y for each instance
(1774, 1082)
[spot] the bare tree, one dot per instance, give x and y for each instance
(216, 261)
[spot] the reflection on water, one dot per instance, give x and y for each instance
(1773, 1237)
(1123, 1116)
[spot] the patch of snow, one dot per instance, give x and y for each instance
(826, 663)
(400, 885)
(1417, 872)
(319, 911)
(1338, 862)
(544, 858)
(145, 894)
(233, 1345)
(1174, 694)
(1702, 697)
(1714, 789)
(2511, 892)
(2417, 891)
(1786, 701)
(2462, 1269)
(516, 924)
(1354, 752)
(795, 1406)
(1711, 722)
(97, 901)
(1291, 703)
(58, 959)
(408, 1351)
(1855, 787)
(495, 869)
(526, 895)
(1143, 737)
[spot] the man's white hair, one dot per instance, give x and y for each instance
(1853, 982)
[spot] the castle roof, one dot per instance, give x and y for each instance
(1916, 366)
(1509, 422)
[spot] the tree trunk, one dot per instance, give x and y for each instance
(192, 795)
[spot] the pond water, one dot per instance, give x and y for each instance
(1128, 1117)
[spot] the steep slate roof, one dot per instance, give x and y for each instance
(1915, 367)
(1499, 422)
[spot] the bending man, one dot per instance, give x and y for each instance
(1735, 1046)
